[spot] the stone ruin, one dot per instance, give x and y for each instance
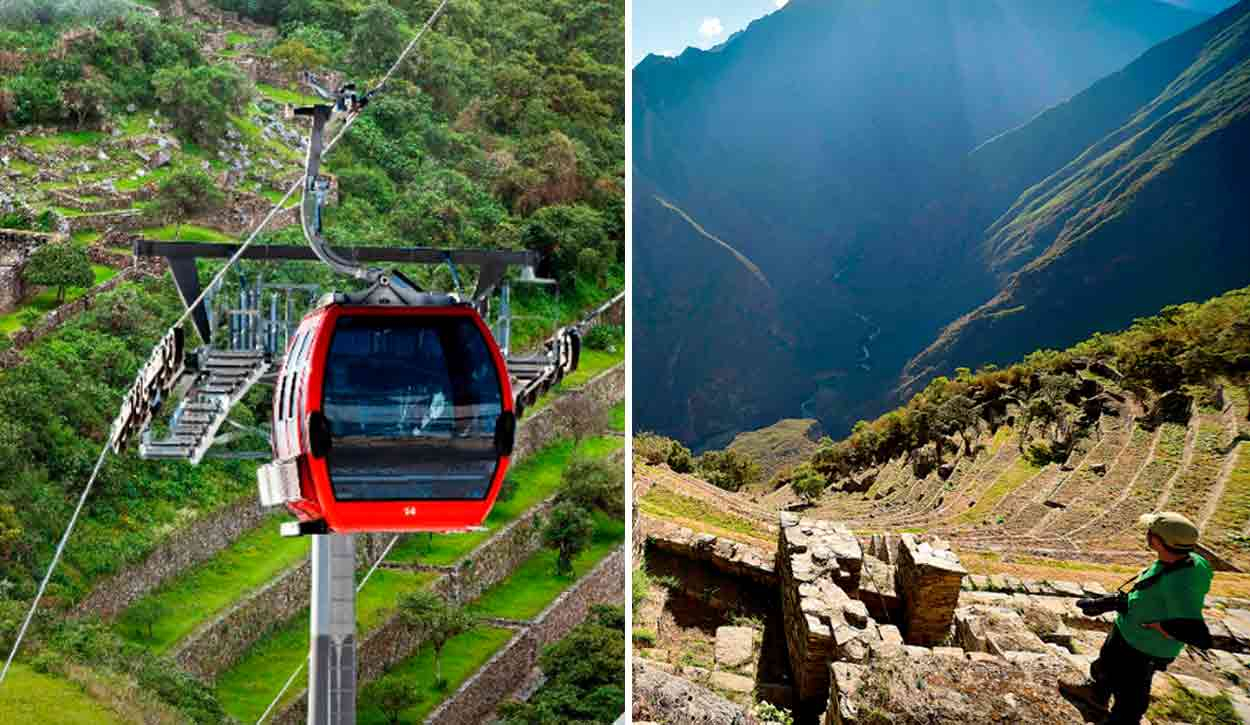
(876, 630)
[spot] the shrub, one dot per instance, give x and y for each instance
(656, 449)
(606, 338)
(200, 99)
(729, 470)
(593, 483)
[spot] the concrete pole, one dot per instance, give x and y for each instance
(332, 646)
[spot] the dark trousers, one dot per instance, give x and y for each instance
(1123, 674)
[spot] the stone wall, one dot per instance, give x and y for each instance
(60, 315)
(193, 544)
(927, 579)
(539, 429)
(15, 246)
(819, 564)
(491, 685)
(726, 555)
(219, 644)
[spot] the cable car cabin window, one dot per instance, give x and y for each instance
(412, 405)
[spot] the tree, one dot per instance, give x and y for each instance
(656, 449)
(594, 483)
(568, 531)
(391, 695)
(581, 416)
(438, 619)
(378, 37)
(147, 612)
(807, 483)
(60, 265)
(201, 99)
(561, 233)
(297, 57)
(958, 414)
(186, 192)
(87, 98)
(584, 678)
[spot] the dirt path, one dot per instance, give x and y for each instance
(1221, 481)
(1150, 454)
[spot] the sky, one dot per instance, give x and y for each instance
(668, 27)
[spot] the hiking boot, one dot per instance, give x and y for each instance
(1086, 692)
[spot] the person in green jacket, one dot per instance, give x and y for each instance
(1157, 618)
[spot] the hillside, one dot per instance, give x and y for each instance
(505, 134)
(1159, 192)
(1058, 455)
(823, 141)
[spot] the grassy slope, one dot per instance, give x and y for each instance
(45, 300)
(591, 363)
(29, 697)
(462, 656)
(201, 593)
(535, 584)
(247, 689)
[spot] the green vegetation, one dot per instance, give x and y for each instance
(186, 192)
(463, 655)
(28, 694)
(1185, 705)
(187, 233)
(727, 469)
(59, 265)
(1233, 510)
(616, 417)
(534, 480)
(1011, 479)
(202, 592)
(438, 619)
(585, 680)
(44, 302)
(282, 95)
(665, 504)
(655, 450)
(535, 584)
(1184, 346)
(246, 689)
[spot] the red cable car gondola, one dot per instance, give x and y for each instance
(398, 418)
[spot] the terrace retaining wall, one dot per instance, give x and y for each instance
(490, 686)
(190, 545)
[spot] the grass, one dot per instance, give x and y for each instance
(1233, 510)
(1011, 479)
(1184, 705)
(665, 504)
(188, 233)
(236, 38)
(535, 584)
(536, 479)
(28, 696)
(1190, 491)
(66, 138)
(206, 590)
(464, 655)
(246, 689)
(616, 417)
(282, 95)
(45, 301)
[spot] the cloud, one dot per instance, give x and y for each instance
(780, 3)
(667, 53)
(711, 27)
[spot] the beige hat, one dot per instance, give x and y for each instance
(1176, 531)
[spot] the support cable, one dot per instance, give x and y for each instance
(217, 278)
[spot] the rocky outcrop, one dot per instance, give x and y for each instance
(666, 698)
(915, 686)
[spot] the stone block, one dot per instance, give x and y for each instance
(735, 646)
(731, 682)
(845, 680)
(927, 581)
(1068, 589)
